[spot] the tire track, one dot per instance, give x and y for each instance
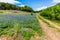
(49, 32)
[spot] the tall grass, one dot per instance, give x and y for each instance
(26, 24)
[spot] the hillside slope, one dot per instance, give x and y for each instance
(52, 13)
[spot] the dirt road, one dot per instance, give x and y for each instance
(48, 31)
(51, 23)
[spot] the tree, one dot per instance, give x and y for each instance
(7, 6)
(51, 12)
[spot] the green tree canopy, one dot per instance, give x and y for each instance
(7, 6)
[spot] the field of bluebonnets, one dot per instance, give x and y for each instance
(25, 24)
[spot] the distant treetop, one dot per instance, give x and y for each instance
(7, 6)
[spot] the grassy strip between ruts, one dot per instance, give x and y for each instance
(45, 21)
(42, 18)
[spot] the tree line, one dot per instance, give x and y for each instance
(7, 6)
(52, 13)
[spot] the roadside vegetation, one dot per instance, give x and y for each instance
(52, 13)
(25, 24)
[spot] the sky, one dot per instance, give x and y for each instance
(35, 4)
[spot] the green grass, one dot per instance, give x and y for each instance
(27, 33)
(13, 11)
(57, 22)
(43, 18)
(26, 24)
(4, 11)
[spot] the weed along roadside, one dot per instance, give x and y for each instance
(25, 25)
